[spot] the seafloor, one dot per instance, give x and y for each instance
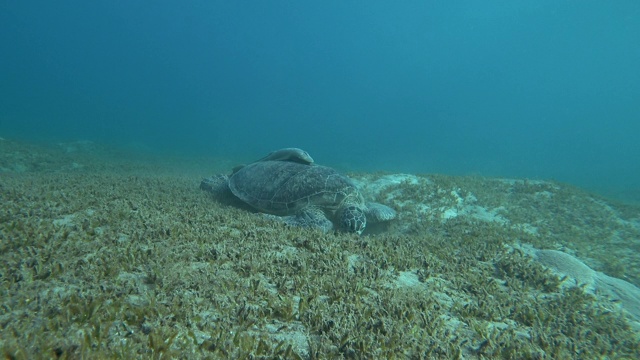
(104, 254)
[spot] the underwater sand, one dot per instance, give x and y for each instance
(107, 254)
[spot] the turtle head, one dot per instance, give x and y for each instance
(353, 219)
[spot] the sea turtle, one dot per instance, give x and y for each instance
(301, 193)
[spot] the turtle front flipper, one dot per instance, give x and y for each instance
(378, 213)
(311, 217)
(353, 219)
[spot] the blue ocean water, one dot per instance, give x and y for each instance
(537, 89)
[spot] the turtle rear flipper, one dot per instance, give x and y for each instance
(216, 184)
(377, 212)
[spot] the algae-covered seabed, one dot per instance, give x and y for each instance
(106, 255)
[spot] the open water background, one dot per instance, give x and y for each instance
(537, 89)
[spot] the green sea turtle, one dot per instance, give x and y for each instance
(300, 193)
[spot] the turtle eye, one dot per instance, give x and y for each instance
(353, 219)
